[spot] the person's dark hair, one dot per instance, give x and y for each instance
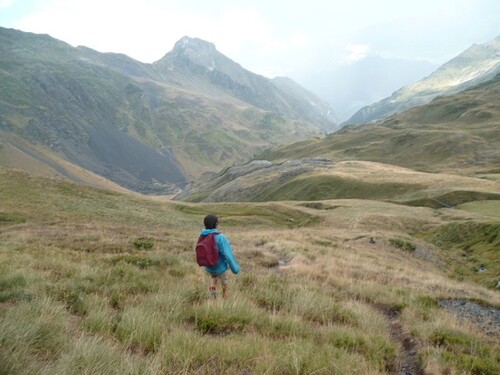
(210, 221)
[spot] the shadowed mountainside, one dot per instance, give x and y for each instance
(147, 127)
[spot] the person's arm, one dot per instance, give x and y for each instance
(226, 250)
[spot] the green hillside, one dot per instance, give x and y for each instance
(457, 134)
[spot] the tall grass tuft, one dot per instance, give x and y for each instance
(93, 355)
(140, 329)
(31, 330)
(224, 317)
(13, 288)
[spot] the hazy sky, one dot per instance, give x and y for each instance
(268, 37)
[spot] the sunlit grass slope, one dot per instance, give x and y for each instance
(351, 180)
(457, 134)
(99, 282)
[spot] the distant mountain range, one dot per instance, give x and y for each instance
(473, 66)
(108, 120)
(148, 127)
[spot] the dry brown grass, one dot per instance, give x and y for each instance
(314, 296)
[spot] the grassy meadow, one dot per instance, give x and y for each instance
(100, 282)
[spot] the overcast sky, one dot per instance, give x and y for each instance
(285, 38)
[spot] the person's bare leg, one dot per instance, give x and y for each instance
(213, 288)
(224, 291)
(223, 281)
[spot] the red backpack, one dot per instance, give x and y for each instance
(207, 253)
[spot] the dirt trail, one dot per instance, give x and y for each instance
(407, 362)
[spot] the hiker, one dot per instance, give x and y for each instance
(225, 257)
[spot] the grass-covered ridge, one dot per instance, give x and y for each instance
(455, 134)
(323, 179)
(473, 249)
(100, 282)
(322, 187)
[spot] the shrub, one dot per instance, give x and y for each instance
(12, 288)
(143, 243)
(402, 244)
(11, 218)
(328, 312)
(99, 318)
(274, 293)
(226, 317)
(427, 301)
(136, 260)
(378, 348)
(280, 327)
(38, 326)
(190, 352)
(444, 362)
(72, 296)
(458, 342)
(93, 355)
(128, 279)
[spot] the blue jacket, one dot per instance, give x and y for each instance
(226, 258)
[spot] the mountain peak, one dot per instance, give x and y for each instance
(199, 46)
(197, 64)
(188, 51)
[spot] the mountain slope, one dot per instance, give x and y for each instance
(196, 64)
(473, 66)
(139, 125)
(451, 136)
(456, 133)
(322, 179)
(57, 96)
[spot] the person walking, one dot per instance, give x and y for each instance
(226, 259)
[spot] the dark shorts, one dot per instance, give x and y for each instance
(221, 277)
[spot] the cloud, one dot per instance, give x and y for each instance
(147, 30)
(260, 35)
(100, 25)
(6, 3)
(356, 52)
